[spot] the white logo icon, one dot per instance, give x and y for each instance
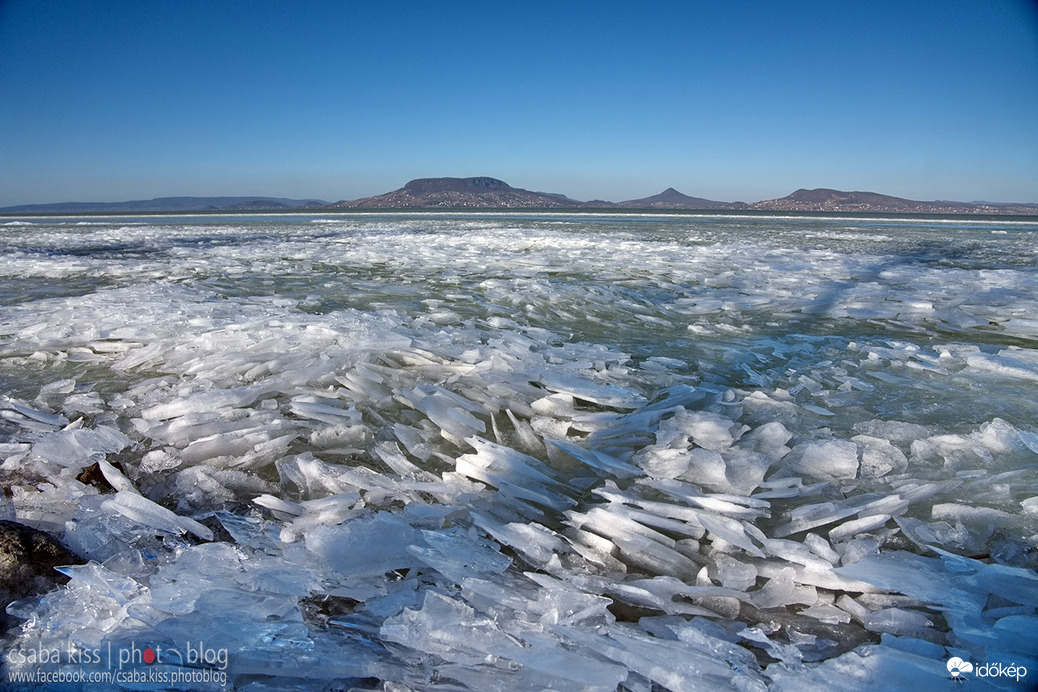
(956, 666)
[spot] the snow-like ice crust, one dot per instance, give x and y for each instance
(496, 452)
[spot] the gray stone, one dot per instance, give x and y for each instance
(28, 557)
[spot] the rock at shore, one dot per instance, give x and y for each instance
(28, 557)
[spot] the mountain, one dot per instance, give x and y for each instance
(491, 192)
(485, 193)
(459, 192)
(825, 199)
(672, 199)
(168, 204)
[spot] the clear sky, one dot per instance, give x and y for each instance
(129, 99)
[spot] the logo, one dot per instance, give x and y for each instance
(957, 667)
(183, 668)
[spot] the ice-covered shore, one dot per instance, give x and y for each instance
(549, 453)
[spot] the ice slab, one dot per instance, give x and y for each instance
(824, 459)
(142, 510)
(80, 447)
(921, 577)
(364, 547)
(598, 460)
(605, 395)
(859, 671)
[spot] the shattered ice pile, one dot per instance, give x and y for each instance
(570, 457)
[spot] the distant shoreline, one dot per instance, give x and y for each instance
(541, 211)
(488, 195)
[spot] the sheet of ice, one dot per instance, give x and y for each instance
(454, 632)
(79, 447)
(598, 460)
(824, 459)
(605, 395)
(859, 671)
(366, 547)
(130, 504)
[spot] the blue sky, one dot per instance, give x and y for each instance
(115, 100)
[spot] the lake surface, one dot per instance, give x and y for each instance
(526, 451)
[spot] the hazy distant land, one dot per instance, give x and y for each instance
(167, 204)
(489, 193)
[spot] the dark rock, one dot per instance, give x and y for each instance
(92, 475)
(28, 557)
(318, 608)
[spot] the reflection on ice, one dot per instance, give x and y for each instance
(494, 452)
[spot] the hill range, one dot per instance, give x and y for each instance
(168, 204)
(491, 193)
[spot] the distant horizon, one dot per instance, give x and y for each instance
(326, 200)
(734, 101)
(333, 199)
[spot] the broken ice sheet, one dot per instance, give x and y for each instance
(81, 446)
(924, 578)
(455, 632)
(605, 395)
(824, 459)
(143, 510)
(860, 670)
(364, 547)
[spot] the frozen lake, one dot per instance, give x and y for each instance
(484, 451)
